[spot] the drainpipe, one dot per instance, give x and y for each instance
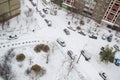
(9, 7)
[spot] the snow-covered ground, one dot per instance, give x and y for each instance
(33, 30)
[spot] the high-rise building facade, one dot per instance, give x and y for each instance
(99, 10)
(112, 13)
(9, 9)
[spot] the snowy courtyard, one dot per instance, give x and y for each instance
(31, 28)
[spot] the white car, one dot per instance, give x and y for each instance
(11, 37)
(86, 55)
(66, 31)
(49, 22)
(61, 42)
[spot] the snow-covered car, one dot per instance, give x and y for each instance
(103, 75)
(104, 37)
(93, 36)
(71, 28)
(45, 11)
(67, 32)
(11, 37)
(70, 52)
(116, 47)
(41, 14)
(61, 42)
(49, 22)
(82, 33)
(86, 55)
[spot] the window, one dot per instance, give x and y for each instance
(89, 6)
(116, 4)
(107, 1)
(69, 2)
(111, 14)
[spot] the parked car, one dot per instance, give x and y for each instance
(67, 32)
(82, 33)
(85, 55)
(93, 36)
(116, 47)
(45, 11)
(103, 75)
(70, 53)
(117, 62)
(71, 28)
(109, 38)
(49, 22)
(104, 37)
(11, 37)
(41, 14)
(61, 42)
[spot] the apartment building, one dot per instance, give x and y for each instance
(100, 10)
(113, 12)
(9, 9)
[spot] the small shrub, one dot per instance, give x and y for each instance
(38, 47)
(46, 48)
(36, 68)
(20, 57)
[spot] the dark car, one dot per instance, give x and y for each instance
(109, 38)
(49, 22)
(45, 11)
(70, 53)
(103, 75)
(67, 32)
(93, 36)
(117, 62)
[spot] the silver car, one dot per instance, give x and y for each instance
(11, 37)
(66, 31)
(61, 42)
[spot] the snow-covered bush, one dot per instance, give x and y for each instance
(20, 57)
(5, 71)
(8, 57)
(5, 67)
